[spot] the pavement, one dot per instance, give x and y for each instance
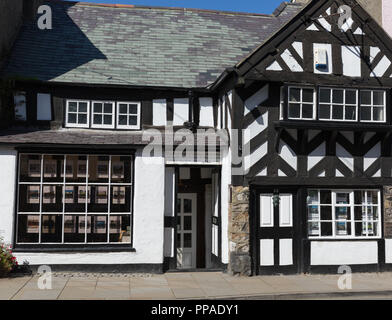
(194, 285)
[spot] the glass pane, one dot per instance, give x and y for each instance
(343, 228)
(98, 169)
(97, 119)
(97, 230)
(337, 96)
(123, 108)
(132, 121)
(52, 198)
(121, 169)
(372, 213)
(82, 119)
(378, 114)
(53, 168)
(342, 213)
(120, 229)
(30, 168)
(107, 120)
(99, 199)
(326, 229)
(325, 197)
(187, 223)
(307, 111)
(71, 117)
(29, 198)
(307, 95)
(72, 107)
(178, 223)
(122, 120)
(187, 206)
(313, 213)
(326, 213)
(294, 110)
(378, 98)
(359, 197)
(121, 199)
(76, 167)
(342, 198)
(51, 228)
(366, 113)
(350, 113)
(28, 228)
(83, 107)
(179, 243)
(372, 197)
(325, 95)
(366, 97)
(98, 107)
(337, 112)
(75, 198)
(358, 213)
(325, 111)
(313, 229)
(108, 108)
(74, 229)
(295, 95)
(313, 196)
(187, 240)
(133, 109)
(351, 97)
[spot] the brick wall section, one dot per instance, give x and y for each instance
(240, 261)
(388, 212)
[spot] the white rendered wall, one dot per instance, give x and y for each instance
(8, 162)
(388, 250)
(148, 228)
(343, 252)
(225, 184)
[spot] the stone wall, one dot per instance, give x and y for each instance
(388, 212)
(239, 260)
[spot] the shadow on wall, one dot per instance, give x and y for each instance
(47, 54)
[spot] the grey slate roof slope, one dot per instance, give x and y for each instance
(141, 46)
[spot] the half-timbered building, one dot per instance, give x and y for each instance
(292, 172)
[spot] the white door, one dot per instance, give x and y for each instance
(186, 230)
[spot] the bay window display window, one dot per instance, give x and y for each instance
(74, 199)
(301, 103)
(344, 213)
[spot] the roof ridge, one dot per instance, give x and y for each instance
(131, 6)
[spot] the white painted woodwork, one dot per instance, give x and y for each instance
(343, 252)
(285, 252)
(373, 53)
(298, 46)
(266, 210)
(169, 191)
(206, 112)
(328, 48)
(388, 250)
(159, 112)
(266, 252)
(209, 205)
(274, 66)
(44, 107)
(291, 62)
(215, 213)
(180, 111)
(351, 60)
(312, 27)
(168, 249)
(288, 155)
(381, 67)
(286, 210)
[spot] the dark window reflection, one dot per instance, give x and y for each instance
(51, 228)
(120, 229)
(74, 228)
(28, 228)
(97, 230)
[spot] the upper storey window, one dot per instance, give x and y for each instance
(338, 104)
(301, 103)
(103, 114)
(373, 105)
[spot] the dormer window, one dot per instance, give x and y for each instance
(78, 113)
(301, 103)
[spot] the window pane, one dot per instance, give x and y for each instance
(120, 229)
(74, 228)
(122, 120)
(98, 169)
(366, 113)
(120, 199)
(378, 114)
(187, 240)
(307, 111)
(187, 206)
(123, 108)
(133, 109)
(72, 118)
(295, 95)
(313, 229)
(108, 108)
(313, 213)
(52, 198)
(97, 119)
(343, 198)
(75, 198)
(28, 228)
(132, 121)
(326, 229)
(72, 107)
(107, 120)
(337, 96)
(325, 197)
(342, 213)
(82, 106)
(29, 198)
(358, 213)
(372, 213)
(325, 111)
(351, 97)
(313, 196)
(51, 228)
(372, 197)
(343, 228)
(99, 199)
(97, 230)
(350, 113)
(82, 119)
(307, 95)
(53, 167)
(76, 167)
(378, 98)
(294, 110)
(30, 168)
(98, 107)
(325, 95)
(326, 213)
(337, 112)
(366, 97)
(121, 169)
(188, 223)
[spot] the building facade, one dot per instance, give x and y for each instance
(157, 139)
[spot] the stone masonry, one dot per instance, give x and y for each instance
(240, 261)
(388, 212)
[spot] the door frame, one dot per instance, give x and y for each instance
(254, 218)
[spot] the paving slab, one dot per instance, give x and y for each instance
(152, 293)
(37, 294)
(77, 293)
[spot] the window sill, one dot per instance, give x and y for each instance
(72, 248)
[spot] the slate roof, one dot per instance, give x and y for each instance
(141, 46)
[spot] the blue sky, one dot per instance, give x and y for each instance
(258, 6)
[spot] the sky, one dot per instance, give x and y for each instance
(256, 6)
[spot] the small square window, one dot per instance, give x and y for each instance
(77, 113)
(128, 115)
(103, 114)
(373, 106)
(301, 104)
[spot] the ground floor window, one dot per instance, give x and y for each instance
(344, 213)
(74, 199)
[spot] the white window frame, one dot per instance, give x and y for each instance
(372, 106)
(77, 125)
(331, 104)
(128, 127)
(103, 126)
(352, 220)
(109, 184)
(301, 103)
